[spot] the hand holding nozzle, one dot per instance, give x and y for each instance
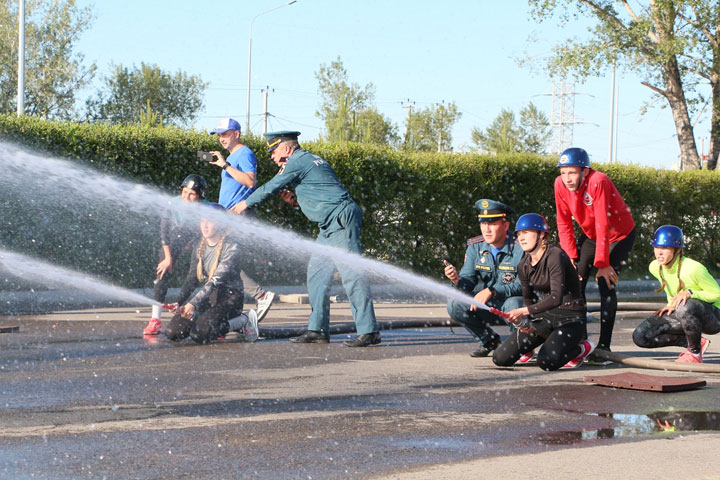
(289, 196)
(171, 307)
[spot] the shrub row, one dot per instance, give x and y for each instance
(418, 207)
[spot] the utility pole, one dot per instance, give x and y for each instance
(617, 122)
(409, 105)
(612, 140)
(265, 91)
(21, 58)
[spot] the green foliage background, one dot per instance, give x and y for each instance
(418, 206)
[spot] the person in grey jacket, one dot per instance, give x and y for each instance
(216, 308)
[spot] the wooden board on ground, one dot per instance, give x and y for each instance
(639, 381)
(9, 328)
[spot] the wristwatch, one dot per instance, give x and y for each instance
(225, 166)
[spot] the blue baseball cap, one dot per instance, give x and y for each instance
(226, 124)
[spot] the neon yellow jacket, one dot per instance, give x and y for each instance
(695, 277)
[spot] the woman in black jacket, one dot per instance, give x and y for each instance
(216, 308)
(554, 314)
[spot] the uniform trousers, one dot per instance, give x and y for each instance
(343, 233)
(477, 322)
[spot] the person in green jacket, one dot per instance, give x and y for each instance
(693, 297)
(324, 200)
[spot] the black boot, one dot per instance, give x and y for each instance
(311, 336)
(364, 340)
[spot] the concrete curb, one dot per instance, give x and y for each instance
(44, 301)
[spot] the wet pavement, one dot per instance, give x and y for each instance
(82, 394)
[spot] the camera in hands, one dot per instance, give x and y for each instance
(205, 156)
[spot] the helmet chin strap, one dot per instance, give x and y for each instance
(537, 243)
(582, 175)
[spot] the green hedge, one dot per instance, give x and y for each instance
(418, 207)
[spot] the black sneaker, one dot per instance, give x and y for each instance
(311, 336)
(364, 340)
(485, 350)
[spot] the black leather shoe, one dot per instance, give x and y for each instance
(485, 350)
(311, 336)
(364, 340)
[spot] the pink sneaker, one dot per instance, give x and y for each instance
(526, 357)
(586, 348)
(688, 357)
(704, 344)
(154, 327)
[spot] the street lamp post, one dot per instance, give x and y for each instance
(21, 59)
(247, 123)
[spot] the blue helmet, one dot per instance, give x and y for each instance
(531, 221)
(574, 157)
(668, 236)
(216, 206)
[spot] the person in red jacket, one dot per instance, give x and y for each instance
(607, 230)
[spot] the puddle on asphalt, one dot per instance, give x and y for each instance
(637, 426)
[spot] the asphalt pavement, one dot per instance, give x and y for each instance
(84, 395)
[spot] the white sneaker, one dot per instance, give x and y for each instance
(264, 305)
(250, 329)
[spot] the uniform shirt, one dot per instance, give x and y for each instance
(177, 224)
(553, 280)
(481, 271)
(226, 275)
(319, 192)
(600, 211)
(232, 191)
(695, 277)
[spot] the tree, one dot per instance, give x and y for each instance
(129, 96)
(674, 45)
(371, 126)
(347, 109)
(504, 135)
(535, 132)
(430, 129)
(53, 71)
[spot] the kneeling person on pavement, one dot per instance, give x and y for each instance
(489, 274)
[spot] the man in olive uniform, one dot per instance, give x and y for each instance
(489, 274)
(324, 200)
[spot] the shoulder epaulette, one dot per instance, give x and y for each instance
(474, 240)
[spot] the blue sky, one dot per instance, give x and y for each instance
(426, 52)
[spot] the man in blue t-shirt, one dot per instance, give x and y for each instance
(237, 183)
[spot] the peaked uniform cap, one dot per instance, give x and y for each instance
(491, 210)
(276, 138)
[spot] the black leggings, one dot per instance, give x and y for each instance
(682, 328)
(178, 246)
(560, 340)
(619, 253)
(211, 318)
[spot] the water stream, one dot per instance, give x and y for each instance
(59, 184)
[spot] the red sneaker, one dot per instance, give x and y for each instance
(688, 357)
(154, 327)
(586, 348)
(526, 357)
